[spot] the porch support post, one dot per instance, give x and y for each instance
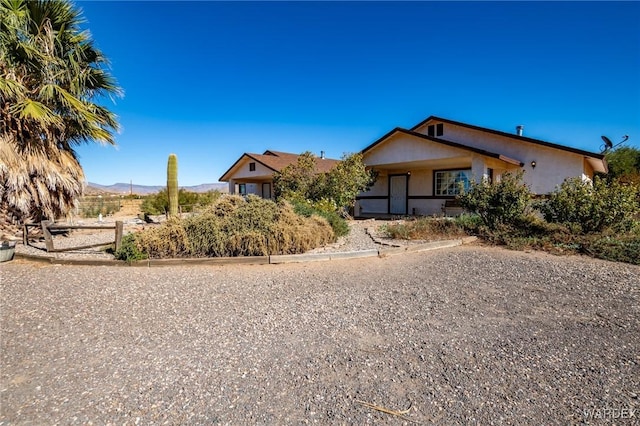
(478, 169)
(232, 186)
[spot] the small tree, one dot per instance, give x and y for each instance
(299, 182)
(501, 203)
(296, 182)
(623, 161)
(345, 181)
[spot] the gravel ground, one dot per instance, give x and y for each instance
(468, 335)
(79, 238)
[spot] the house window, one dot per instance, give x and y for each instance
(490, 175)
(252, 167)
(435, 129)
(242, 189)
(447, 182)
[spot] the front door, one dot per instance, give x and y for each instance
(398, 194)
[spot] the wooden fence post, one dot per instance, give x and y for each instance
(25, 234)
(48, 239)
(119, 231)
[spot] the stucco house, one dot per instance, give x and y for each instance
(419, 169)
(253, 173)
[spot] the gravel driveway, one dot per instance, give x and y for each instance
(469, 335)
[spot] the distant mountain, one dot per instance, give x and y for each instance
(125, 188)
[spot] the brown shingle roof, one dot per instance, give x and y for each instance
(277, 160)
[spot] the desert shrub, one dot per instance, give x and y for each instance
(294, 233)
(158, 203)
(94, 206)
(325, 209)
(471, 223)
(205, 235)
(500, 203)
(167, 240)
(129, 250)
(252, 214)
(593, 207)
(424, 228)
(234, 226)
(248, 243)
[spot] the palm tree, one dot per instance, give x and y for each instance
(51, 76)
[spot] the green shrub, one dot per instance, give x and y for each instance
(300, 181)
(471, 223)
(590, 208)
(188, 201)
(616, 247)
(129, 250)
(500, 203)
(325, 209)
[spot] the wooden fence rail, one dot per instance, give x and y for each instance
(47, 226)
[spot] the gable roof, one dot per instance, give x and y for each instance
(510, 135)
(277, 160)
(444, 142)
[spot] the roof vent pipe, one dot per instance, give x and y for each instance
(322, 155)
(519, 129)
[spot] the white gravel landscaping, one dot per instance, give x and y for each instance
(466, 335)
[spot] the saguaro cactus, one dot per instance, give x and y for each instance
(172, 184)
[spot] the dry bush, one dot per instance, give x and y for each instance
(167, 240)
(257, 214)
(248, 243)
(235, 226)
(225, 205)
(205, 234)
(293, 233)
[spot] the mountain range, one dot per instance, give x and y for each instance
(126, 188)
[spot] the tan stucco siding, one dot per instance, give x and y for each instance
(428, 207)
(381, 185)
(421, 182)
(553, 166)
(241, 171)
(402, 148)
(551, 170)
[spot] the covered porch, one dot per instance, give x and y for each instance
(426, 187)
(261, 186)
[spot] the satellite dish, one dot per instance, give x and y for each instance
(609, 145)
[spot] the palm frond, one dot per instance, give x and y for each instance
(28, 109)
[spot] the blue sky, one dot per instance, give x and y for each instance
(209, 81)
